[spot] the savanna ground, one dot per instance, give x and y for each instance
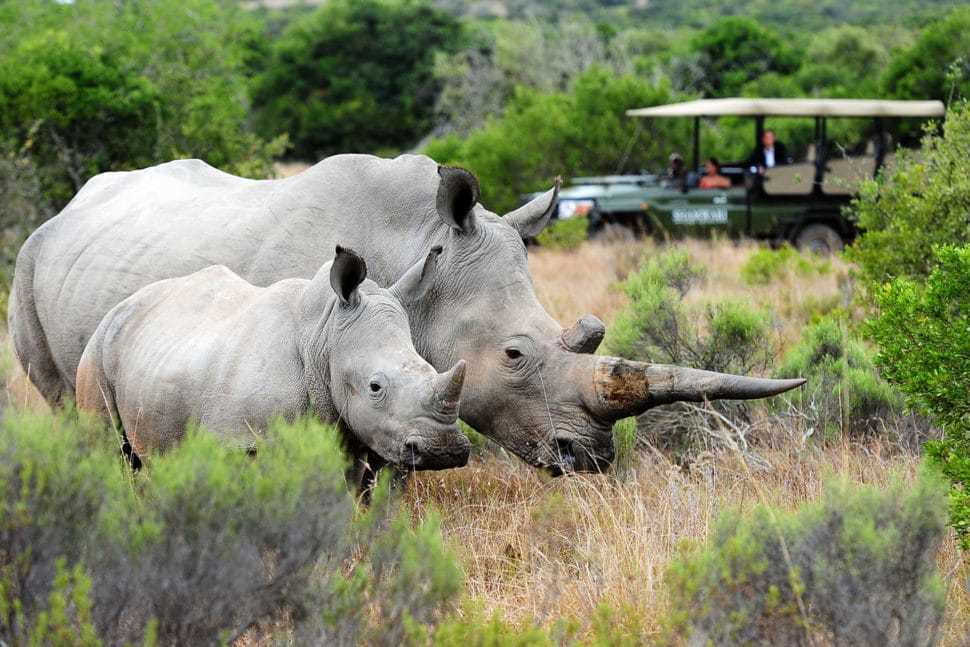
(541, 550)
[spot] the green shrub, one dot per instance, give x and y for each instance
(204, 542)
(657, 326)
(54, 492)
(918, 205)
(767, 265)
(625, 442)
(923, 332)
(89, 87)
(857, 568)
(225, 533)
(566, 234)
(406, 575)
(844, 393)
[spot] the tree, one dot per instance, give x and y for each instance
(77, 109)
(737, 50)
(937, 66)
(545, 134)
(355, 76)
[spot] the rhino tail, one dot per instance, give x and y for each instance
(29, 341)
(95, 393)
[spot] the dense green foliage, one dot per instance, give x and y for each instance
(923, 331)
(543, 135)
(658, 327)
(845, 394)
(937, 66)
(913, 258)
(922, 203)
(204, 542)
(355, 76)
(736, 51)
(858, 568)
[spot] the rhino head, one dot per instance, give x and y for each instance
(532, 386)
(393, 402)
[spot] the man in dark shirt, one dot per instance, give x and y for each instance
(769, 154)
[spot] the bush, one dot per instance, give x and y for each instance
(223, 541)
(169, 82)
(923, 332)
(205, 542)
(407, 577)
(844, 394)
(657, 326)
(767, 265)
(53, 492)
(936, 66)
(920, 204)
(857, 568)
(564, 234)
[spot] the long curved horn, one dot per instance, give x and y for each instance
(624, 388)
(447, 390)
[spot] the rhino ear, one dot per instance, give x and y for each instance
(457, 196)
(532, 217)
(347, 272)
(415, 283)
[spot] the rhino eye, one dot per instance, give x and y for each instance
(375, 387)
(513, 353)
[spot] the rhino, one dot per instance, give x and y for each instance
(531, 386)
(214, 349)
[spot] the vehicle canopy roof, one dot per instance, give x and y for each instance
(794, 108)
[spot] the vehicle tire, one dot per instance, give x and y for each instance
(820, 239)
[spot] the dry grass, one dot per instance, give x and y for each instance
(543, 549)
(538, 548)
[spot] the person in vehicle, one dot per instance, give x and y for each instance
(676, 177)
(712, 178)
(769, 154)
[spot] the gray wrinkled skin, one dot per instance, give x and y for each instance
(211, 348)
(527, 387)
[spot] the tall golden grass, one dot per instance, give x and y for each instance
(540, 549)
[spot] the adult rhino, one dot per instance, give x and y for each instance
(531, 386)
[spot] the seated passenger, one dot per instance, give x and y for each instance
(769, 154)
(712, 178)
(676, 177)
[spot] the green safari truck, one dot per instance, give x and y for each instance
(801, 202)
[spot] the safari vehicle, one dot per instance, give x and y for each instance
(801, 203)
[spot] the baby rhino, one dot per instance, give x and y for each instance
(212, 348)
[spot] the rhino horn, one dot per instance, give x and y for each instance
(584, 336)
(624, 388)
(532, 217)
(447, 390)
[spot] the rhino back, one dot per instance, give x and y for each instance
(209, 348)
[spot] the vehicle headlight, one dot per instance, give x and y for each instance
(573, 208)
